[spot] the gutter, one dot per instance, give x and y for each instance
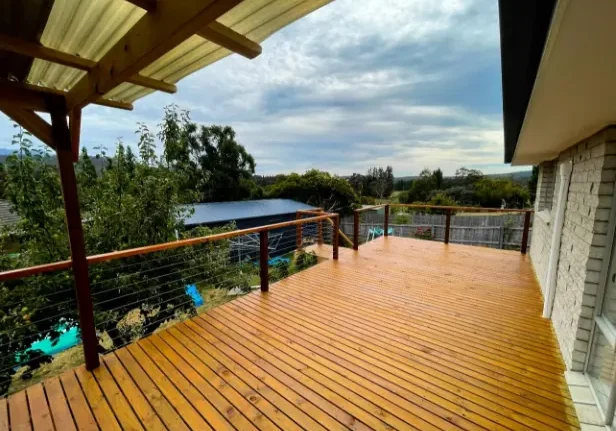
(559, 220)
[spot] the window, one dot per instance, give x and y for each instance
(546, 185)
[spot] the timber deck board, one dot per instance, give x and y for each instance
(404, 334)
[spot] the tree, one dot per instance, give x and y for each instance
(357, 181)
(316, 188)
(420, 189)
(466, 177)
(501, 192)
(379, 182)
(437, 178)
(132, 202)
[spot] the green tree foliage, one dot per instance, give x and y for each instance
(377, 183)
(469, 187)
(209, 160)
(316, 188)
(133, 201)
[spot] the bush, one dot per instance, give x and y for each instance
(401, 218)
(367, 200)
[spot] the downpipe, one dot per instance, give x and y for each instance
(557, 223)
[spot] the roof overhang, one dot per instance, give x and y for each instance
(574, 92)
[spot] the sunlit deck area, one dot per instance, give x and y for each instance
(403, 334)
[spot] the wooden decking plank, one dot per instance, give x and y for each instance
(103, 413)
(208, 379)
(219, 413)
(502, 364)
(117, 401)
(18, 412)
(144, 411)
(491, 388)
(294, 403)
(39, 410)
(478, 343)
(363, 410)
(190, 415)
(167, 413)
(340, 362)
(234, 388)
(60, 411)
(392, 403)
(4, 415)
(84, 419)
(282, 318)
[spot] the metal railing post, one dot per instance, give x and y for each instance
(525, 232)
(386, 221)
(336, 238)
(355, 230)
(447, 226)
(263, 259)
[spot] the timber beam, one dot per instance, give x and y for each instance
(155, 34)
(34, 50)
(30, 121)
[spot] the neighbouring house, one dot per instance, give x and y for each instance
(7, 216)
(559, 103)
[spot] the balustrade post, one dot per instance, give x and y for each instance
(264, 259)
(386, 221)
(525, 232)
(336, 234)
(447, 226)
(355, 230)
(298, 232)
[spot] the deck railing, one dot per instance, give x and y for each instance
(447, 211)
(133, 292)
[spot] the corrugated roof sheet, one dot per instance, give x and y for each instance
(7, 216)
(220, 212)
(89, 28)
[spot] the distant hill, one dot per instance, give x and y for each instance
(5, 151)
(514, 176)
(98, 163)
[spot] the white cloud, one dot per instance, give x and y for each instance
(411, 83)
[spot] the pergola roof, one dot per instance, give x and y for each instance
(76, 43)
(89, 28)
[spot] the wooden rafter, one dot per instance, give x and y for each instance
(46, 90)
(30, 121)
(217, 33)
(20, 96)
(230, 39)
(35, 50)
(155, 34)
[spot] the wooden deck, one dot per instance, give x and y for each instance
(404, 334)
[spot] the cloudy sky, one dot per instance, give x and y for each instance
(407, 83)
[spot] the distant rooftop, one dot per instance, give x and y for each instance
(220, 212)
(7, 217)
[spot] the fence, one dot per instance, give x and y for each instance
(134, 292)
(504, 229)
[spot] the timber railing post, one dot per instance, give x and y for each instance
(356, 230)
(525, 232)
(64, 151)
(298, 232)
(263, 259)
(447, 226)
(386, 221)
(336, 233)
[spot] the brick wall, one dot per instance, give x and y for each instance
(582, 242)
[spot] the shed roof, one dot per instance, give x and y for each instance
(220, 212)
(7, 216)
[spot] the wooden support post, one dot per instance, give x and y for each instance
(336, 235)
(447, 226)
(264, 259)
(356, 230)
(320, 232)
(298, 232)
(62, 140)
(386, 222)
(525, 232)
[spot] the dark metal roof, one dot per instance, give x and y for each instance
(7, 216)
(221, 212)
(524, 26)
